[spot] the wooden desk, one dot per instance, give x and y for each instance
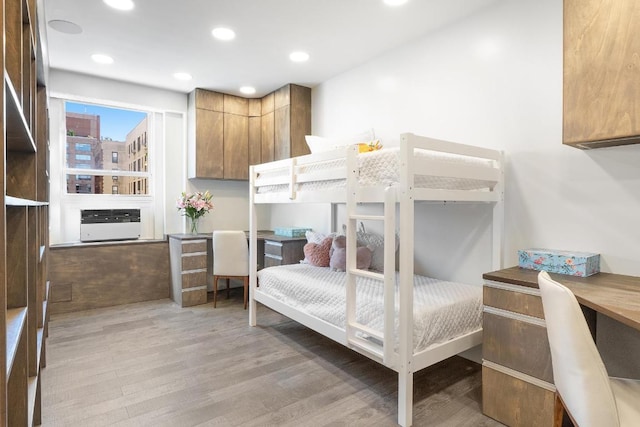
(613, 295)
(517, 377)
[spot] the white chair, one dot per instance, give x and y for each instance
(230, 260)
(584, 388)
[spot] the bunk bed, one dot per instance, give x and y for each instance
(381, 314)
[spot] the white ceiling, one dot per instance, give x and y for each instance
(161, 37)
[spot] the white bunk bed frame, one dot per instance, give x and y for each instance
(402, 359)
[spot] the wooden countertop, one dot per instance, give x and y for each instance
(613, 295)
(262, 235)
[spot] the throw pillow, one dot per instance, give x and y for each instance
(317, 254)
(338, 260)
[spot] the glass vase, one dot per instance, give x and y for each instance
(194, 225)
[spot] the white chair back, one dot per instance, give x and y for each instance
(578, 372)
(230, 253)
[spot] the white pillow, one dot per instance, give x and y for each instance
(318, 144)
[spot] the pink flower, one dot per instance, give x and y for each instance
(195, 205)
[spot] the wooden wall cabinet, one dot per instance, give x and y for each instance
(228, 133)
(292, 121)
(236, 146)
(601, 73)
(267, 145)
(24, 219)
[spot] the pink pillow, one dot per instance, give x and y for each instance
(338, 255)
(317, 254)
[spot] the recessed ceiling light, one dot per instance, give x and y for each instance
(222, 33)
(102, 59)
(248, 90)
(299, 56)
(395, 2)
(120, 4)
(182, 76)
(66, 27)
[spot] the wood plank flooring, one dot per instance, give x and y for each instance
(156, 364)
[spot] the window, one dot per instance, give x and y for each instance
(98, 137)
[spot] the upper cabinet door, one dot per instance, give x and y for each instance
(236, 146)
(209, 134)
(601, 73)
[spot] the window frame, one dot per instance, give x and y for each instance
(110, 173)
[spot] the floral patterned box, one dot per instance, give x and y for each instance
(562, 262)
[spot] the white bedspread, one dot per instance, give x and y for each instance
(442, 310)
(381, 168)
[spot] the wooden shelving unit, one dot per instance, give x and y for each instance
(24, 244)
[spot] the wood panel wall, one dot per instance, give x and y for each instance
(91, 276)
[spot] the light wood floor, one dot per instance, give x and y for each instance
(156, 364)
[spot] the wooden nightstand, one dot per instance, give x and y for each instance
(517, 377)
(280, 250)
(188, 255)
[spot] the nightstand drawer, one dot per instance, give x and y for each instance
(516, 402)
(194, 262)
(528, 303)
(273, 248)
(194, 279)
(191, 246)
(271, 260)
(518, 343)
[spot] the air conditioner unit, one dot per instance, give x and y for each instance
(98, 225)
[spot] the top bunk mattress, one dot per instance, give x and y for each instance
(442, 310)
(382, 168)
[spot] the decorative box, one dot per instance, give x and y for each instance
(290, 231)
(562, 262)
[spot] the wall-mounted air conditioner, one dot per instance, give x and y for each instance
(109, 224)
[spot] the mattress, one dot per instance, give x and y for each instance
(442, 310)
(382, 168)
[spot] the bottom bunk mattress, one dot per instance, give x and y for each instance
(442, 310)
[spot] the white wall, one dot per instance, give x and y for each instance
(495, 80)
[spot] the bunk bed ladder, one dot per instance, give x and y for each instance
(379, 344)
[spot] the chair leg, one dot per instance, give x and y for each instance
(215, 290)
(228, 280)
(246, 291)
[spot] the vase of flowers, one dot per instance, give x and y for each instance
(194, 206)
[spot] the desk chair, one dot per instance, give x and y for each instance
(584, 388)
(230, 260)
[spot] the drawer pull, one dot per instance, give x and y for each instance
(519, 375)
(515, 316)
(513, 288)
